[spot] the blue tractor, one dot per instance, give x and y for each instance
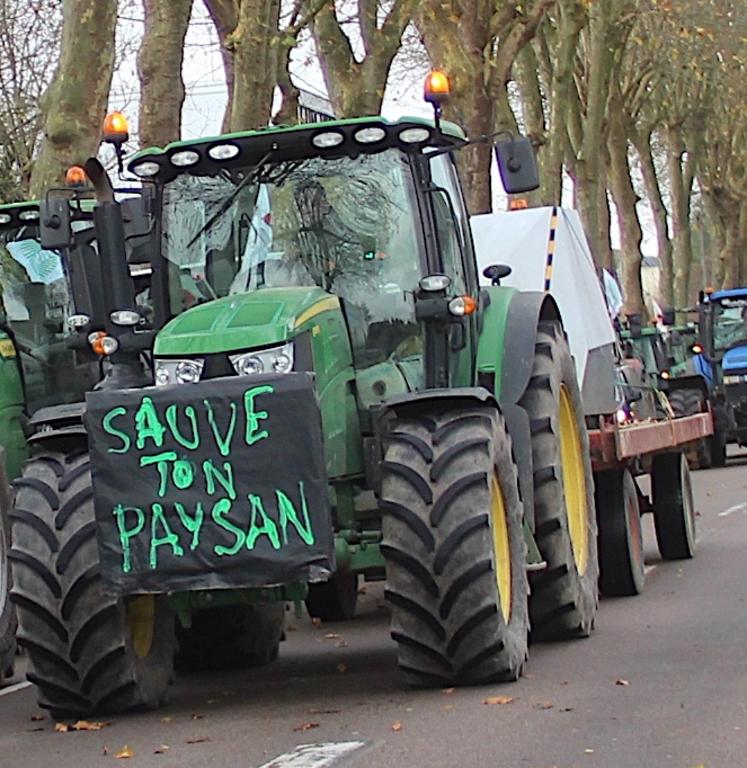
(723, 363)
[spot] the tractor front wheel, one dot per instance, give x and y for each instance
(454, 548)
(7, 612)
(564, 596)
(622, 567)
(88, 652)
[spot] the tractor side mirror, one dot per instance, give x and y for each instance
(139, 231)
(55, 229)
(667, 316)
(496, 272)
(517, 165)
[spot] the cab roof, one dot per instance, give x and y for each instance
(296, 142)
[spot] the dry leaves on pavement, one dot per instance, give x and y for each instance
(306, 726)
(492, 700)
(125, 753)
(397, 726)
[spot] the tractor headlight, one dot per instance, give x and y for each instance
(178, 371)
(274, 360)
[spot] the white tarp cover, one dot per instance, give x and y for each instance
(520, 239)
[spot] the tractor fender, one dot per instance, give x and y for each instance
(504, 364)
(692, 381)
(58, 424)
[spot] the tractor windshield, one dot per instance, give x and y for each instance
(36, 303)
(729, 323)
(345, 225)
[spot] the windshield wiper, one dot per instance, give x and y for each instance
(228, 202)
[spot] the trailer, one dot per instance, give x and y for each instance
(546, 249)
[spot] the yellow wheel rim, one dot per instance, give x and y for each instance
(141, 620)
(574, 480)
(501, 551)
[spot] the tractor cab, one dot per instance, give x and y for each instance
(36, 304)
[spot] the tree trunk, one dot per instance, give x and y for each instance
(571, 20)
(642, 144)
(75, 103)
(255, 63)
(680, 182)
(225, 16)
(159, 65)
(625, 199)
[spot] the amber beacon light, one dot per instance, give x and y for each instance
(75, 176)
(116, 130)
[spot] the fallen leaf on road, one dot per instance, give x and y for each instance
(447, 690)
(332, 636)
(61, 727)
(37, 718)
(397, 726)
(198, 717)
(588, 751)
(85, 725)
(165, 719)
(342, 668)
(620, 681)
(161, 750)
(322, 711)
(543, 705)
(566, 709)
(316, 622)
(306, 726)
(498, 700)
(124, 753)
(200, 740)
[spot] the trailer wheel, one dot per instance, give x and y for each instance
(334, 600)
(621, 563)
(674, 508)
(231, 637)
(688, 402)
(564, 597)
(87, 651)
(7, 611)
(718, 438)
(454, 548)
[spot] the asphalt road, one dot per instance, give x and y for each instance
(662, 682)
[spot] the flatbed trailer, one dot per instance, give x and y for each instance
(619, 454)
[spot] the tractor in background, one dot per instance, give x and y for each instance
(443, 421)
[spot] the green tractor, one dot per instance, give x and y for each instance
(37, 367)
(335, 398)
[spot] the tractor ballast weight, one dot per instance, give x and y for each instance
(341, 252)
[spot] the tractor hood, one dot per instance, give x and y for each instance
(261, 318)
(735, 360)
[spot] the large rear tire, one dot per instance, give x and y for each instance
(7, 611)
(688, 402)
(88, 652)
(232, 637)
(454, 548)
(334, 600)
(621, 563)
(565, 595)
(674, 508)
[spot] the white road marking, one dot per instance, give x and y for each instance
(315, 755)
(14, 688)
(732, 510)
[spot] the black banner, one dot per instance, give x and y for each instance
(219, 484)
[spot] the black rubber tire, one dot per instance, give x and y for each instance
(440, 472)
(80, 649)
(563, 601)
(688, 402)
(674, 508)
(621, 562)
(8, 621)
(718, 444)
(231, 637)
(334, 600)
